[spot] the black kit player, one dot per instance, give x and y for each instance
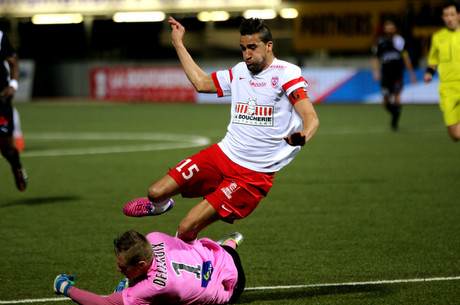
(392, 55)
(9, 75)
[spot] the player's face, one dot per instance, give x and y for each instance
(255, 52)
(130, 271)
(389, 29)
(451, 18)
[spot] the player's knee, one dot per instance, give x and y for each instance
(155, 194)
(187, 231)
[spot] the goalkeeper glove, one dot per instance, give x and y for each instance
(63, 283)
(122, 285)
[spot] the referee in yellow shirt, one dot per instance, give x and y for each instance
(445, 57)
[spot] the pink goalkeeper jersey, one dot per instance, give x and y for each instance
(261, 114)
(184, 273)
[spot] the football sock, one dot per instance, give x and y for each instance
(231, 243)
(160, 207)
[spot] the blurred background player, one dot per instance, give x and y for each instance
(271, 118)
(390, 54)
(9, 75)
(166, 270)
(444, 56)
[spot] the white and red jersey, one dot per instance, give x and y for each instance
(185, 273)
(261, 114)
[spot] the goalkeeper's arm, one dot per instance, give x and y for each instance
(87, 298)
(65, 285)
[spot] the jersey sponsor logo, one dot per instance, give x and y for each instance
(280, 67)
(252, 114)
(206, 272)
(257, 85)
(229, 190)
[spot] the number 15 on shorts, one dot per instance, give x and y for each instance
(187, 170)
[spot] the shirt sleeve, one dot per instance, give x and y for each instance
(223, 81)
(294, 80)
(433, 55)
(6, 48)
(88, 298)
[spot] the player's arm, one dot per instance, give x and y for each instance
(375, 67)
(65, 285)
(12, 87)
(200, 79)
(409, 67)
(433, 59)
(304, 107)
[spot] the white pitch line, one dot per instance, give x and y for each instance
(452, 278)
(433, 279)
(173, 141)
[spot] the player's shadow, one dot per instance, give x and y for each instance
(39, 201)
(304, 293)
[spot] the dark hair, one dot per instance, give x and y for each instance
(256, 26)
(452, 3)
(134, 246)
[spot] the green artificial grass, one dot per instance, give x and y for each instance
(360, 203)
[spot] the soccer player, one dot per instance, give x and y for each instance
(444, 56)
(392, 56)
(271, 118)
(9, 75)
(161, 269)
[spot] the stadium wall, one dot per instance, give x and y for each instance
(326, 85)
(152, 82)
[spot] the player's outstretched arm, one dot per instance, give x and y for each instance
(310, 119)
(65, 285)
(200, 79)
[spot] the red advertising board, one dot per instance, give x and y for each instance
(155, 84)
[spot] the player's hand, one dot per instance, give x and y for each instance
(63, 283)
(124, 283)
(177, 30)
(7, 93)
(427, 77)
(295, 139)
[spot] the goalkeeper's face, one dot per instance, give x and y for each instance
(131, 271)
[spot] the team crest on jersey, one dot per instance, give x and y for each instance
(275, 81)
(250, 113)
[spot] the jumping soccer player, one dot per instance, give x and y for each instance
(161, 269)
(271, 118)
(445, 56)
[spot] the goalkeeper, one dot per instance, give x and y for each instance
(161, 269)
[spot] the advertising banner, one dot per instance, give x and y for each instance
(156, 84)
(341, 25)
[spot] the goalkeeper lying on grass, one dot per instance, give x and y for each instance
(162, 269)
